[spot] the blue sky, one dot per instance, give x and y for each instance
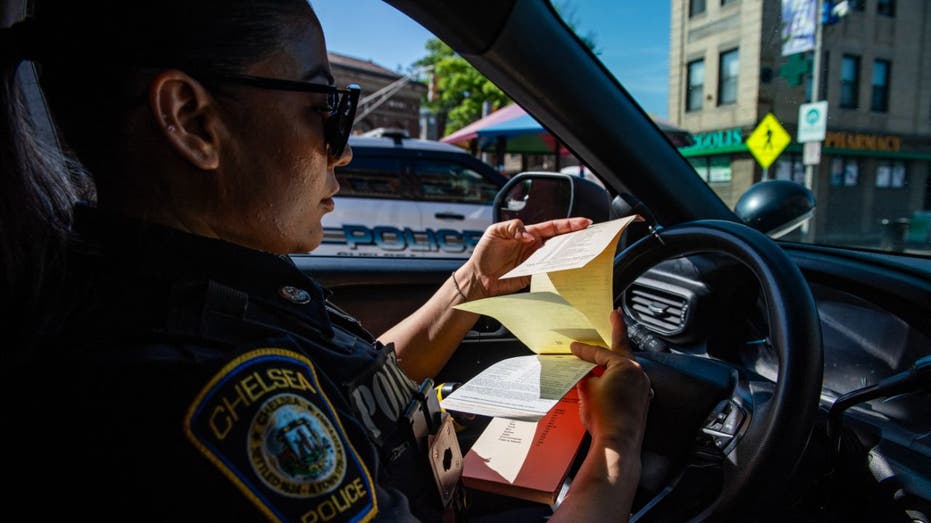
(632, 37)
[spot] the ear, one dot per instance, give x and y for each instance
(188, 117)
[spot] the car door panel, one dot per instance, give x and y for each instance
(380, 292)
(375, 214)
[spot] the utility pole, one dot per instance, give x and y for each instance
(371, 102)
(811, 180)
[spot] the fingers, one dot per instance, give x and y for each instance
(510, 230)
(614, 405)
(596, 355)
(620, 346)
(517, 231)
(619, 341)
(536, 233)
(552, 228)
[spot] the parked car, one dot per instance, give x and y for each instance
(404, 197)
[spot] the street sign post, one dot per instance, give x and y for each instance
(812, 122)
(768, 140)
(811, 154)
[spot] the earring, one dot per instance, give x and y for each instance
(170, 127)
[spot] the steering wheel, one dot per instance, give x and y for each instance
(739, 435)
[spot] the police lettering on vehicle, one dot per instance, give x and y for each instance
(398, 241)
(265, 422)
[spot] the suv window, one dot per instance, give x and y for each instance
(449, 181)
(409, 199)
(368, 177)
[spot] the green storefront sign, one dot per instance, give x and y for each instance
(730, 141)
(716, 142)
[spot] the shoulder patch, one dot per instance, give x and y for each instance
(266, 423)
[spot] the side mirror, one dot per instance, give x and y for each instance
(775, 207)
(540, 196)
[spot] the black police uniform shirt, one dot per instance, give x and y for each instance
(190, 379)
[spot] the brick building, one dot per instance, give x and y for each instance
(401, 110)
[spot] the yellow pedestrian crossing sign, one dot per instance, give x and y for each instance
(768, 140)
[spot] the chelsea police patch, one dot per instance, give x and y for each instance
(294, 448)
(265, 422)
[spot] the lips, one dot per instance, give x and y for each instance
(328, 204)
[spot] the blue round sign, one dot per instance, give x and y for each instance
(812, 116)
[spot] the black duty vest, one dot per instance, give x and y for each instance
(190, 379)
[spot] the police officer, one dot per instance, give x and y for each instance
(185, 369)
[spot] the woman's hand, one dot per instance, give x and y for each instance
(614, 409)
(614, 405)
(506, 245)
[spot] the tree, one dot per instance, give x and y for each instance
(457, 91)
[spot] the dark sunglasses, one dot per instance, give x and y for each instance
(341, 104)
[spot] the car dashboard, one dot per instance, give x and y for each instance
(872, 327)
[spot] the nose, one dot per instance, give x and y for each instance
(344, 158)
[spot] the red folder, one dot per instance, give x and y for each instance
(555, 444)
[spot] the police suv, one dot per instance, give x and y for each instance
(403, 197)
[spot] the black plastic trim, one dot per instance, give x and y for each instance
(900, 289)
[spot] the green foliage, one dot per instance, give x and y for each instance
(458, 90)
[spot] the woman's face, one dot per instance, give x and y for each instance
(278, 178)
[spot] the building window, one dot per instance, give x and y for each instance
(696, 85)
(857, 5)
(880, 100)
(696, 7)
(719, 169)
(727, 2)
(891, 175)
(822, 80)
(790, 167)
(712, 169)
(849, 81)
(845, 172)
(727, 77)
(885, 7)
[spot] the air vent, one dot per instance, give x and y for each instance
(660, 310)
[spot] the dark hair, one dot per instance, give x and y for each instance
(36, 195)
(128, 39)
(91, 56)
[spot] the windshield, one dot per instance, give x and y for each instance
(832, 97)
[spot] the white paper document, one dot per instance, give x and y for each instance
(571, 250)
(504, 445)
(524, 388)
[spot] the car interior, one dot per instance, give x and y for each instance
(791, 380)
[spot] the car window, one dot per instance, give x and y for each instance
(851, 76)
(373, 177)
(450, 181)
(713, 70)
